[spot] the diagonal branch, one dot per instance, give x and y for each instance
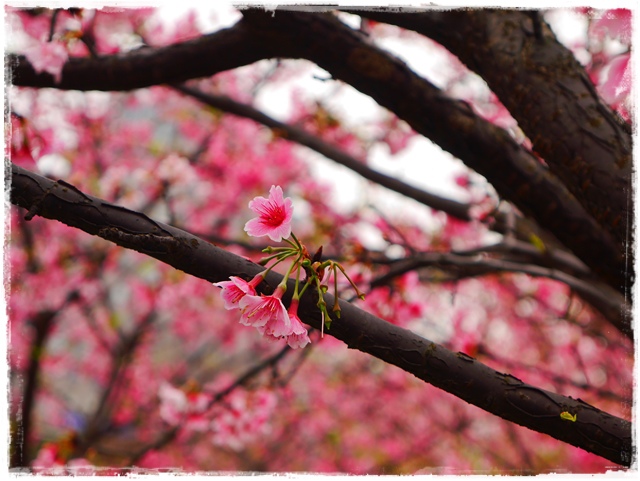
(605, 299)
(550, 95)
(515, 173)
(222, 50)
(296, 134)
(501, 394)
(524, 228)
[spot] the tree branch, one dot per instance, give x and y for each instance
(42, 323)
(296, 134)
(609, 302)
(523, 227)
(222, 50)
(550, 95)
(501, 394)
(515, 173)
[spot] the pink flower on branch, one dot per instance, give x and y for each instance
(267, 313)
(234, 290)
(299, 336)
(274, 216)
(617, 86)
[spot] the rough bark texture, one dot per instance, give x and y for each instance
(550, 95)
(456, 373)
(515, 173)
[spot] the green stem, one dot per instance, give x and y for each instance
(359, 293)
(283, 284)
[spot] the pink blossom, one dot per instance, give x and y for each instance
(80, 467)
(267, 313)
(47, 457)
(243, 419)
(176, 407)
(48, 57)
(616, 23)
(299, 336)
(233, 291)
(617, 86)
(274, 216)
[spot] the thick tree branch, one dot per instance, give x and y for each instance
(515, 173)
(523, 228)
(550, 95)
(456, 373)
(346, 54)
(223, 50)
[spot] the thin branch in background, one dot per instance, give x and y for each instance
(33, 265)
(406, 244)
(252, 372)
(122, 357)
(52, 25)
(42, 323)
(296, 134)
(609, 302)
(266, 77)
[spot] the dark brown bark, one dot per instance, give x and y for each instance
(501, 394)
(550, 95)
(144, 67)
(515, 173)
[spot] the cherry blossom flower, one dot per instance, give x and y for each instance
(243, 419)
(51, 461)
(266, 313)
(234, 290)
(48, 57)
(616, 23)
(299, 336)
(177, 406)
(274, 216)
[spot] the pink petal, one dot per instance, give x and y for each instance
(274, 216)
(48, 57)
(266, 312)
(617, 86)
(616, 23)
(234, 290)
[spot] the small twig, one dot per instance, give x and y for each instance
(168, 436)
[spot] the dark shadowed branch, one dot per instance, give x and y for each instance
(550, 95)
(499, 393)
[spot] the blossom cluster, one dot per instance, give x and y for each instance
(267, 313)
(235, 423)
